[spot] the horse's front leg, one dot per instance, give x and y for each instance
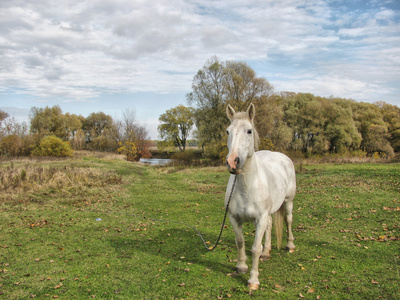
(261, 225)
(237, 228)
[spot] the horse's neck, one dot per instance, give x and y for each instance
(249, 174)
(250, 168)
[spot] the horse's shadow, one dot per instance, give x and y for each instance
(174, 243)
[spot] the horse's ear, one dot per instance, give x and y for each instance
(230, 112)
(251, 111)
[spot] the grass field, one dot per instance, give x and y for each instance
(79, 229)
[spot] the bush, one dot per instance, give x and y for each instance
(130, 150)
(15, 145)
(216, 151)
(53, 146)
(11, 145)
(266, 144)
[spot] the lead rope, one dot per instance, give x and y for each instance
(223, 222)
(195, 229)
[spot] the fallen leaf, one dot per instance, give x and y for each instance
(312, 290)
(182, 284)
(374, 281)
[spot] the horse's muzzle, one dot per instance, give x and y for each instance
(233, 166)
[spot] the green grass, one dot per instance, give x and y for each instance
(346, 225)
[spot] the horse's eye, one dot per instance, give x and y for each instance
(249, 131)
(227, 132)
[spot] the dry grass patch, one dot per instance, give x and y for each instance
(24, 183)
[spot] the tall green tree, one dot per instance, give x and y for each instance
(46, 121)
(270, 123)
(176, 125)
(304, 113)
(96, 124)
(214, 86)
(391, 116)
(370, 123)
(71, 124)
(207, 97)
(341, 130)
(242, 86)
(52, 121)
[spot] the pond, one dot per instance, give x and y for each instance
(156, 161)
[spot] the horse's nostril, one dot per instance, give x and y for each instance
(237, 160)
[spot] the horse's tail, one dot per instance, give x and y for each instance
(278, 224)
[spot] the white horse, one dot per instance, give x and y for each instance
(265, 185)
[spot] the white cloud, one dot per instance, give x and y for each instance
(75, 51)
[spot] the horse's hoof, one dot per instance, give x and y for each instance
(264, 257)
(242, 270)
(291, 250)
(253, 286)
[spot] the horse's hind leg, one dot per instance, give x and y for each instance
(289, 219)
(267, 244)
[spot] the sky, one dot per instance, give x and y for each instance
(115, 55)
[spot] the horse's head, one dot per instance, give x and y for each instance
(242, 138)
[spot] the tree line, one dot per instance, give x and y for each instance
(97, 132)
(285, 121)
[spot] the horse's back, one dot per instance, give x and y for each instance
(275, 158)
(281, 167)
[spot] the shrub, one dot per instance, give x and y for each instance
(216, 151)
(266, 144)
(11, 145)
(15, 145)
(129, 149)
(52, 146)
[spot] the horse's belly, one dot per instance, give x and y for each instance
(245, 215)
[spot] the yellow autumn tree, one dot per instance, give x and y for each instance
(129, 148)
